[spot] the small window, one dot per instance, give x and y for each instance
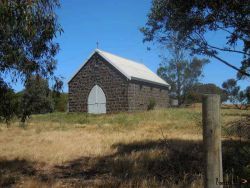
(141, 87)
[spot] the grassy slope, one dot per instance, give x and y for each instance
(143, 149)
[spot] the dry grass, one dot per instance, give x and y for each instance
(160, 148)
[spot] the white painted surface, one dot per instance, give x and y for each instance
(96, 101)
(130, 69)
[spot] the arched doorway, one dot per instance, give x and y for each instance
(96, 101)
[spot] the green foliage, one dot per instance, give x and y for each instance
(195, 93)
(8, 102)
(192, 20)
(235, 95)
(180, 73)
(168, 117)
(60, 101)
(122, 119)
(36, 98)
(231, 88)
(27, 30)
(27, 48)
(240, 98)
(151, 104)
(248, 94)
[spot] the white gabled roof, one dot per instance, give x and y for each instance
(131, 69)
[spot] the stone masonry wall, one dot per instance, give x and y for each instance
(139, 95)
(98, 71)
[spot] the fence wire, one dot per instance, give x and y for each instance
(236, 151)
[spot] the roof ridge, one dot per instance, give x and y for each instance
(129, 68)
(98, 50)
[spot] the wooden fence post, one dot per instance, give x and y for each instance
(212, 141)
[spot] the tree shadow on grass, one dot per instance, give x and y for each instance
(139, 161)
(11, 171)
(159, 163)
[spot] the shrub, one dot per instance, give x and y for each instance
(151, 104)
(36, 98)
(61, 101)
(8, 102)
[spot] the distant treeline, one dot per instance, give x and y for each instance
(36, 98)
(194, 94)
(230, 92)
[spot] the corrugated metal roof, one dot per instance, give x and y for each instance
(131, 69)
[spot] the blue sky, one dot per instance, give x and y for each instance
(115, 25)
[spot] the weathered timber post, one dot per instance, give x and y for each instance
(212, 141)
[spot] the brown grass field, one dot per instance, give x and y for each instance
(159, 148)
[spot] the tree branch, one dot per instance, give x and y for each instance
(230, 65)
(209, 53)
(217, 48)
(227, 50)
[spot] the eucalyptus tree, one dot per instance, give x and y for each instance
(27, 46)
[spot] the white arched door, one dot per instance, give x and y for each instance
(96, 101)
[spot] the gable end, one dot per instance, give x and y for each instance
(97, 53)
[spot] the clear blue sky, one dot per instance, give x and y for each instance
(115, 25)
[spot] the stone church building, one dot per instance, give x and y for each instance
(107, 83)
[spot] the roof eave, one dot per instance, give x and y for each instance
(152, 82)
(122, 72)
